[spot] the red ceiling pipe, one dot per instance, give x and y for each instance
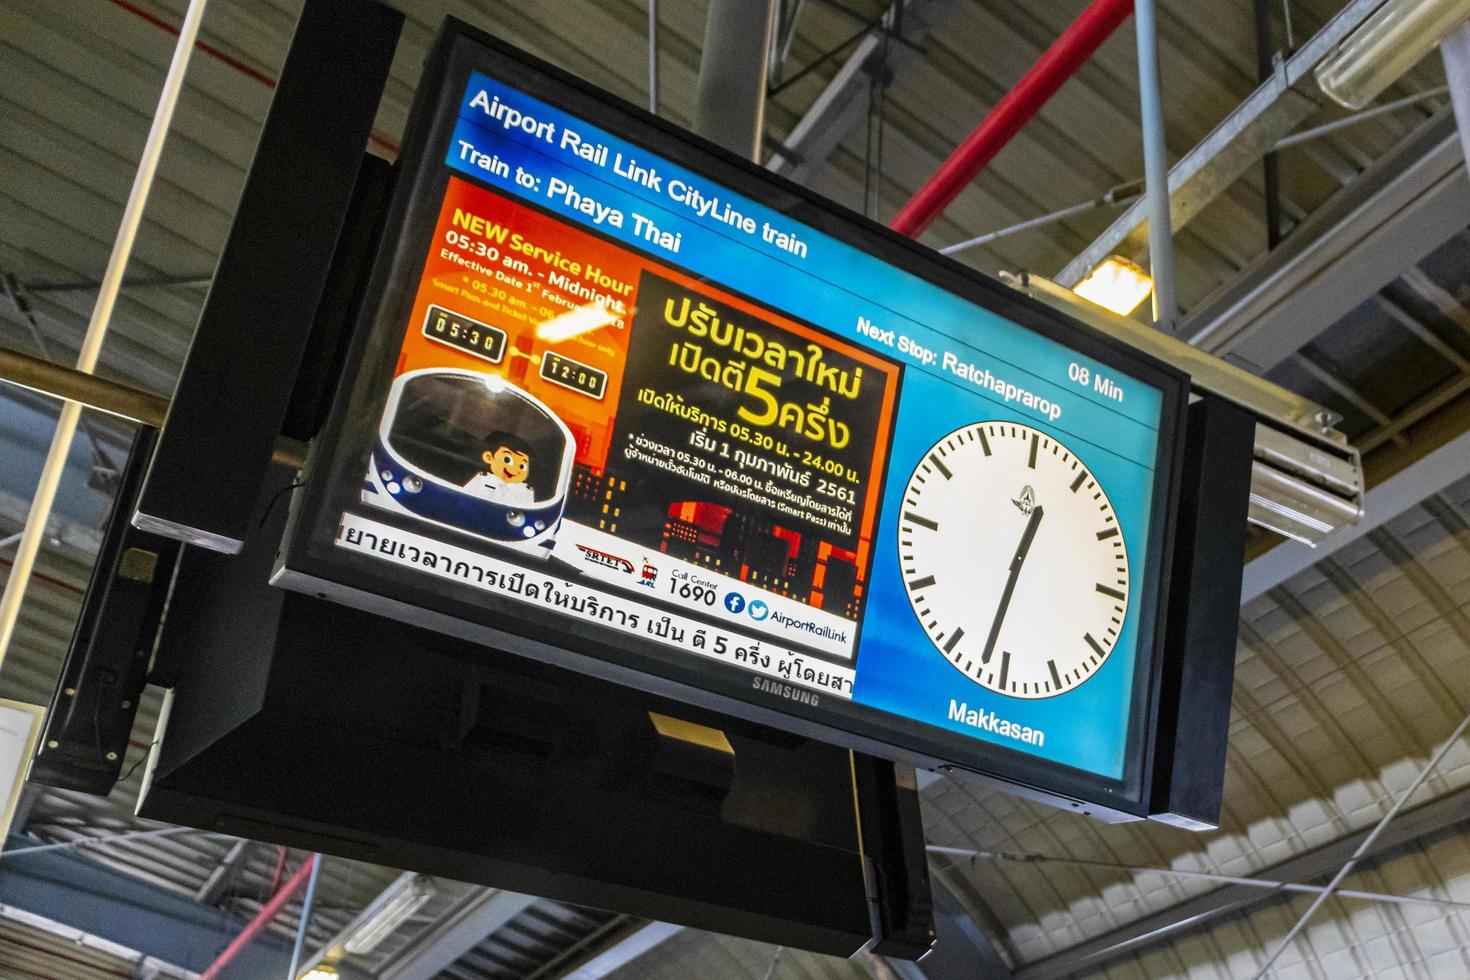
(1014, 110)
(267, 912)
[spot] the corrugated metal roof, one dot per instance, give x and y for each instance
(32, 948)
(705, 954)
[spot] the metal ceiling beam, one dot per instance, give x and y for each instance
(633, 945)
(481, 913)
(830, 116)
(214, 886)
(882, 968)
(964, 918)
(157, 922)
(1398, 211)
(965, 947)
(1439, 814)
(1240, 140)
(334, 949)
(842, 103)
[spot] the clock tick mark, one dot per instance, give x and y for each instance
(1005, 666)
(1093, 643)
(1107, 591)
(1035, 442)
(1078, 482)
(984, 442)
(943, 470)
(950, 643)
(1103, 535)
(922, 583)
(920, 520)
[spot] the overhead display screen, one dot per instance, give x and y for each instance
(625, 404)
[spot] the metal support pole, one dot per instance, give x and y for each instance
(1455, 51)
(1112, 199)
(653, 56)
(731, 103)
(305, 920)
(1155, 166)
(1317, 132)
(122, 250)
(877, 98)
(90, 391)
(1270, 164)
(46, 378)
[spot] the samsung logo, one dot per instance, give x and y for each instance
(785, 690)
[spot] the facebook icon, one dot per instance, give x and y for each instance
(734, 602)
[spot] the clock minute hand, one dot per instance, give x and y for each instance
(1027, 536)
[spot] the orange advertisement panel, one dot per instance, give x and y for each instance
(706, 431)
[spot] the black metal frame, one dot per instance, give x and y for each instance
(316, 726)
(311, 563)
(1204, 614)
(107, 663)
(232, 395)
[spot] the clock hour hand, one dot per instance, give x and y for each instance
(1027, 536)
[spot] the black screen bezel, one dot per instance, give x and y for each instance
(311, 562)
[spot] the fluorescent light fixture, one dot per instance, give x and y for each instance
(574, 323)
(1390, 42)
(397, 904)
(1116, 284)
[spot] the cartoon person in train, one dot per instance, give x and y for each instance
(507, 461)
(473, 452)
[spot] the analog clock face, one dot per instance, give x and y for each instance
(1013, 559)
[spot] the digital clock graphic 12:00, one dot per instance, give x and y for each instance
(1013, 559)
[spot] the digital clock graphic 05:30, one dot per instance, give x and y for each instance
(1013, 559)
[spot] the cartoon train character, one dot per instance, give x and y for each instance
(473, 452)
